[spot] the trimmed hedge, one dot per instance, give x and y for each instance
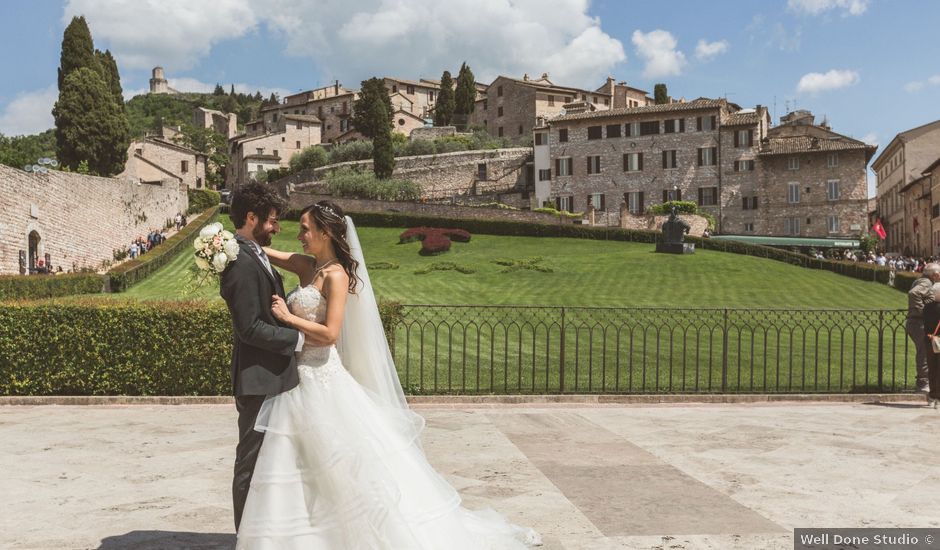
(133, 271)
(49, 286)
(201, 200)
(80, 346)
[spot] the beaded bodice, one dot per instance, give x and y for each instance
(307, 302)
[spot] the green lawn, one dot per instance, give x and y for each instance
(636, 348)
(585, 273)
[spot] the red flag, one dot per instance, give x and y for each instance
(879, 229)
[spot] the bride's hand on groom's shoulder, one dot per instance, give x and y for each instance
(279, 308)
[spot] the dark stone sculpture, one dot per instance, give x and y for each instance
(674, 231)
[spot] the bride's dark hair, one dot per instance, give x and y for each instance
(329, 217)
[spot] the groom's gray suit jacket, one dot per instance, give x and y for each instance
(263, 360)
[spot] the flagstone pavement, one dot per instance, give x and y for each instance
(675, 476)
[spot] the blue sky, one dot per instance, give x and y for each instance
(872, 67)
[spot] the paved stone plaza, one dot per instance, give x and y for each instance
(679, 476)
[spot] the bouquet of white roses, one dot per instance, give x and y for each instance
(215, 248)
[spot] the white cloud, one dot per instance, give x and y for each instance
(170, 33)
(29, 112)
(816, 7)
(918, 85)
(354, 41)
(870, 138)
(658, 48)
(832, 80)
(707, 50)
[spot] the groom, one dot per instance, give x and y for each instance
(263, 356)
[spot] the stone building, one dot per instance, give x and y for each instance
(331, 105)
(512, 107)
(726, 159)
(154, 160)
(932, 174)
(223, 123)
(159, 84)
(77, 221)
(258, 150)
(415, 97)
(813, 181)
(904, 160)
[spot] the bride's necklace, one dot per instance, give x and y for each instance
(318, 269)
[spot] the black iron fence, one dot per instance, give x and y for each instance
(526, 349)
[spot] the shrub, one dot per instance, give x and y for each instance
(133, 271)
(201, 200)
(346, 182)
(434, 243)
(77, 346)
(383, 265)
(560, 213)
(531, 264)
(682, 207)
(445, 266)
(311, 157)
(49, 286)
(353, 150)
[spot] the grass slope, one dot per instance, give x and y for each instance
(585, 273)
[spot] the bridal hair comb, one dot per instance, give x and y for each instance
(327, 209)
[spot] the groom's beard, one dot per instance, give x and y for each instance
(262, 237)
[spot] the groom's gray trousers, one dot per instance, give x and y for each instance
(246, 453)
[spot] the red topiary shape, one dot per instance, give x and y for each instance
(434, 240)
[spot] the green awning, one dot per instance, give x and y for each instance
(790, 241)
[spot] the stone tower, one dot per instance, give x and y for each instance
(158, 84)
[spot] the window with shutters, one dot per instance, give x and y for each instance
(793, 163)
(594, 164)
(832, 190)
(541, 138)
(499, 132)
(297, 146)
(545, 174)
(670, 159)
(499, 91)
(596, 200)
(793, 193)
(649, 128)
(749, 203)
(595, 132)
(551, 100)
(632, 129)
(707, 196)
(833, 224)
(706, 123)
(749, 227)
(565, 204)
(481, 171)
(184, 166)
(633, 162)
(742, 138)
(563, 166)
(791, 226)
(300, 126)
(832, 160)
(674, 126)
(614, 130)
(707, 156)
(744, 166)
(672, 195)
(520, 130)
(499, 111)
(562, 135)
(274, 153)
(635, 202)
(935, 212)
(411, 90)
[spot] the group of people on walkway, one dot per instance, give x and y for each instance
(923, 326)
(141, 245)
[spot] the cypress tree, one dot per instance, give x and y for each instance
(383, 156)
(89, 124)
(366, 119)
(444, 109)
(78, 50)
(660, 95)
(465, 95)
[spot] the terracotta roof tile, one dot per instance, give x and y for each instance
(701, 103)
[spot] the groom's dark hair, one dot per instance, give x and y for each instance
(256, 198)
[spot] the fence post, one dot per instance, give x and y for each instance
(724, 352)
(561, 356)
(881, 348)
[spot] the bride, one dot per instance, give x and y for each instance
(341, 466)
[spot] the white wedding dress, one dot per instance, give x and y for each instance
(340, 471)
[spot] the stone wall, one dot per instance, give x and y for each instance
(434, 132)
(442, 176)
(302, 199)
(80, 220)
(697, 224)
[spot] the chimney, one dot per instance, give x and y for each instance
(336, 87)
(544, 76)
(525, 77)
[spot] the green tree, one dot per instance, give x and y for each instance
(78, 50)
(464, 96)
(660, 95)
(89, 125)
(109, 71)
(218, 90)
(364, 117)
(444, 109)
(22, 150)
(210, 143)
(383, 156)
(311, 157)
